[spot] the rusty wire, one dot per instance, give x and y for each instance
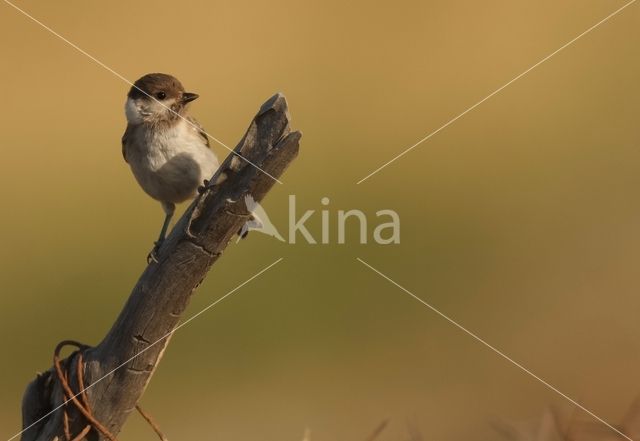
(82, 405)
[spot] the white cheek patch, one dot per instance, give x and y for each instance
(138, 111)
(133, 112)
(160, 107)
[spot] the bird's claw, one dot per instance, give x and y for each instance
(203, 187)
(153, 254)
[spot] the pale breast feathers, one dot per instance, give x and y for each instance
(125, 139)
(201, 132)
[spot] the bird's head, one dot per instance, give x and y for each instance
(157, 98)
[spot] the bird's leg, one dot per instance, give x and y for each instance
(169, 209)
(163, 231)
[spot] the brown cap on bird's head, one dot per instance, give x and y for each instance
(160, 86)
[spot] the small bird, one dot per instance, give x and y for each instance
(167, 150)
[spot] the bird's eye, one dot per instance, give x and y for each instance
(161, 95)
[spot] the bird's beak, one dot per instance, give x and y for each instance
(187, 97)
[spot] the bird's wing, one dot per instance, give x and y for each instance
(198, 127)
(125, 140)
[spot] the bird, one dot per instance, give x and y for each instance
(167, 150)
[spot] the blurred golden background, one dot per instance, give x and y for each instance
(520, 221)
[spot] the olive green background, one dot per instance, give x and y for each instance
(520, 221)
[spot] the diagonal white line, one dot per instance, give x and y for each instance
(104, 66)
(169, 334)
(451, 121)
(494, 349)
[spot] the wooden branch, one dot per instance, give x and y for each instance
(164, 289)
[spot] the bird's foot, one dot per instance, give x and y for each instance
(203, 187)
(153, 254)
